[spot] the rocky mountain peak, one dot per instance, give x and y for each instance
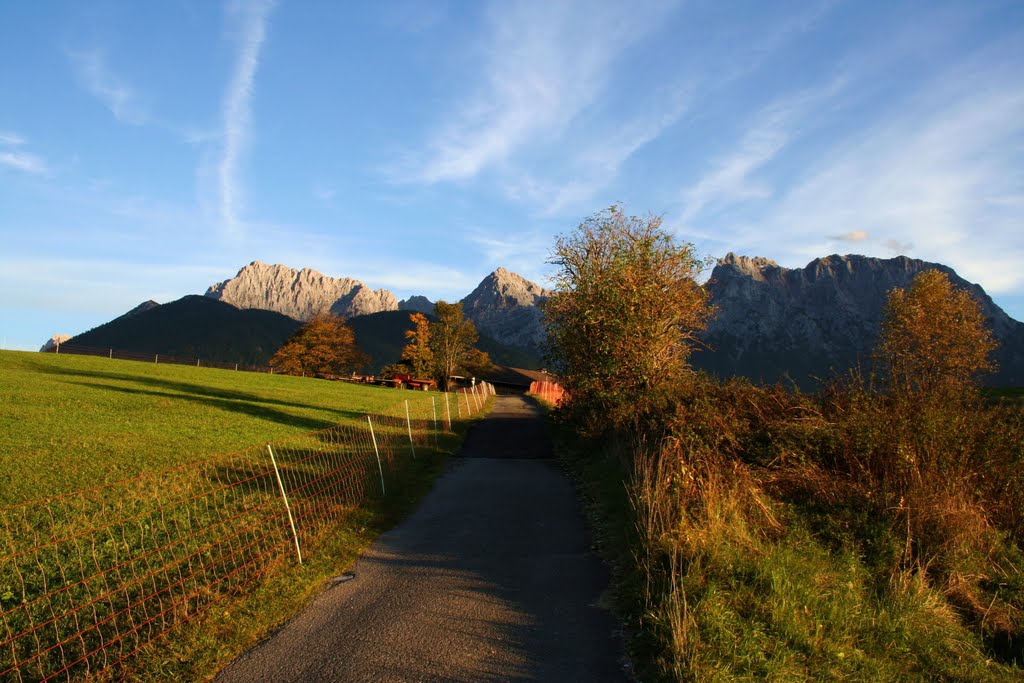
(418, 304)
(756, 267)
(505, 289)
(747, 263)
(779, 323)
(300, 294)
(505, 306)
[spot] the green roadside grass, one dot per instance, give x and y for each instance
(69, 423)
(73, 422)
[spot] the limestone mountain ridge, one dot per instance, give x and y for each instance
(300, 294)
(503, 305)
(802, 324)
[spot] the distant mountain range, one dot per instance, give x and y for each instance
(771, 323)
(203, 327)
(800, 325)
(503, 306)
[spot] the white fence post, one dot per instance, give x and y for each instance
(447, 411)
(376, 451)
(433, 408)
(408, 423)
(469, 410)
(287, 507)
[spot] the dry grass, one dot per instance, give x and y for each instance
(843, 536)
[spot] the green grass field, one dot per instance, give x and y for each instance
(196, 560)
(72, 422)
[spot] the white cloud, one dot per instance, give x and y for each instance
(18, 159)
(731, 179)
(11, 139)
(23, 161)
(853, 236)
(939, 175)
(543, 64)
(252, 24)
(735, 176)
(95, 75)
(523, 253)
(595, 164)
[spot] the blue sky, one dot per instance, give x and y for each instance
(150, 149)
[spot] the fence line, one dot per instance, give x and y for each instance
(88, 579)
(552, 392)
(158, 358)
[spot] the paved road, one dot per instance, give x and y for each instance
(491, 579)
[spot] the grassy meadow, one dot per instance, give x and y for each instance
(72, 422)
(199, 559)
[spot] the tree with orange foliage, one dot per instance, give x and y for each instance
(934, 340)
(417, 354)
(324, 346)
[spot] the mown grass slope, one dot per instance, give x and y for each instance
(71, 422)
(169, 577)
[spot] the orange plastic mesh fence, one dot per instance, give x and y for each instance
(89, 578)
(552, 392)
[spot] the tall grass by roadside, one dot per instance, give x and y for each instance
(758, 534)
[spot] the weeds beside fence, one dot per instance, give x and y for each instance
(88, 579)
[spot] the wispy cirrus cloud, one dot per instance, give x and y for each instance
(23, 161)
(251, 21)
(736, 174)
(123, 100)
(11, 139)
(12, 156)
(524, 253)
(938, 177)
(594, 165)
(541, 68)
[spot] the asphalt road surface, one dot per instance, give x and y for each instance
(491, 579)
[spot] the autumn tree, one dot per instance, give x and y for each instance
(626, 313)
(417, 354)
(325, 345)
(934, 339)
(452, 339)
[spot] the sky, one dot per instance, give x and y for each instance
(151, 149)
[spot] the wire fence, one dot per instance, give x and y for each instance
(89, 578)
(158, 358)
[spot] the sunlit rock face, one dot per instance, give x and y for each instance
(505, 306)
(300, 294)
